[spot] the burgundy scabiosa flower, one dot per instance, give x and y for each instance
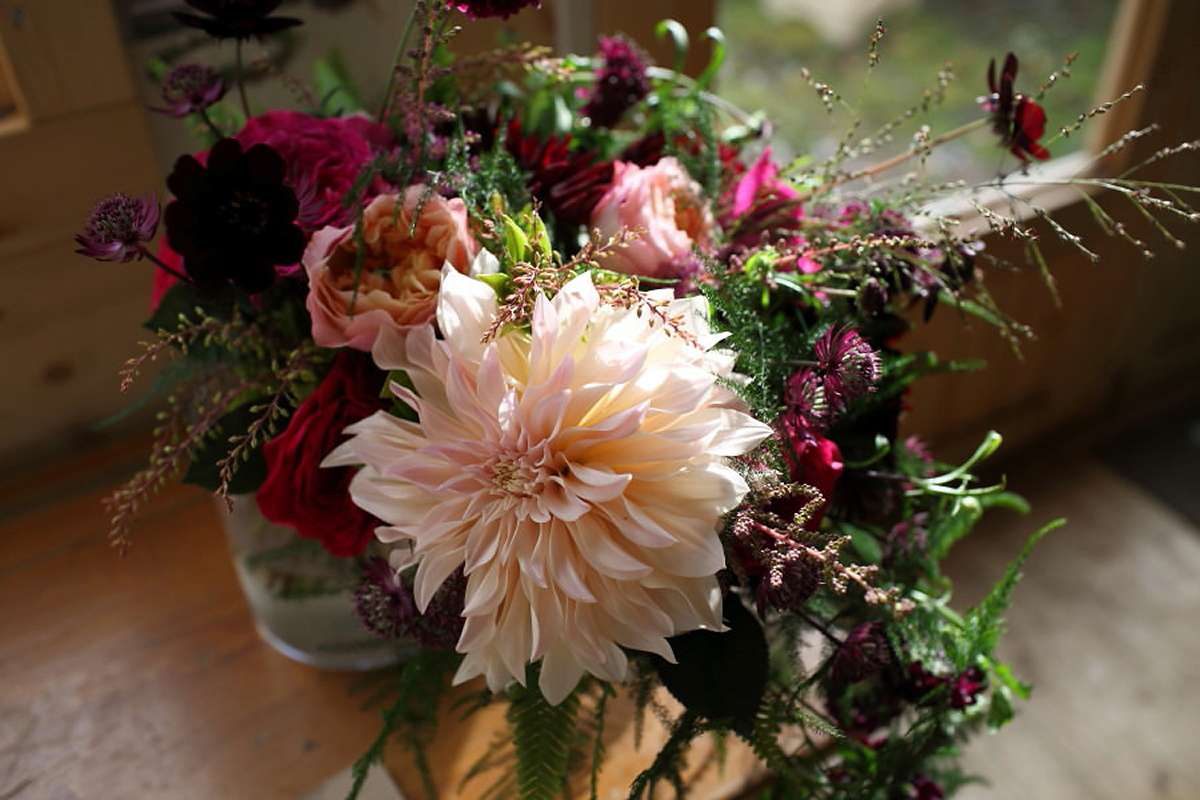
(479, 9)
(191, 89)
(119, 228)
(233, 219)
(864, 652)
(236, 19)
(620, 83)
(1017, 120)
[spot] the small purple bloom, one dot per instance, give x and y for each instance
(861, 654)
(190, 89)
(119, 228)
(966, 687)
(387, 607)
(620, 83)
(846, 368)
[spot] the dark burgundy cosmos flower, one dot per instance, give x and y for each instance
(479, 9)
(233, 220)
(620, 83)
(119, 228)
(568, 183)
(387, 607)
(298, 491)
(191, 88)
(236, 19)
(1017, 120)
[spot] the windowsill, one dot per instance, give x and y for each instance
(1046, 187)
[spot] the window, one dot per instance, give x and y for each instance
(773, 42)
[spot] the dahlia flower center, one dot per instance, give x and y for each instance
(520, 475)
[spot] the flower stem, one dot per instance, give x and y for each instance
(169, 270)
(212, 126)
(896, 160)
(241, 78)
(401, 46)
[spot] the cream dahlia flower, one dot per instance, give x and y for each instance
(576, 471)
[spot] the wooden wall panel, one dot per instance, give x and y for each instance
(66, 55)
(67, 323)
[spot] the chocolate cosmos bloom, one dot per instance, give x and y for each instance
(478, 9)
(236, 19)
(233, 220)
(1017, 120)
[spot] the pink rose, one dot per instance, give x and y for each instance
(324, 158)
(397, 285)
(666, 209)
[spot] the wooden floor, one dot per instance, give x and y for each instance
(142, 677)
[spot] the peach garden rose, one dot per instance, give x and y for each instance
(397, 284)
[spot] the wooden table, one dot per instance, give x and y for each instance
(142, 676)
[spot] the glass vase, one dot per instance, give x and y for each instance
(301, 596)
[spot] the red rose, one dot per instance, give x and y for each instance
(811, 459)
(298, 491)
(324, 157)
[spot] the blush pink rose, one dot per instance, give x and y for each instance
(397, 284)
(665, 208)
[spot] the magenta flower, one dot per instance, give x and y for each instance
(479, 9)
(191, 89)
(119, 228)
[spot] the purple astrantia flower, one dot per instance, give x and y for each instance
(191, 89)
(479, 9)
(387, 607)
(1017, 120)
(620, 83)
(119, 228)
(233, 219)
(236, 19)
(846, 368)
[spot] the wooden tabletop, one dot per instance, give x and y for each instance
(141, 676)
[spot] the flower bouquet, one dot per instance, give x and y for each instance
(595, 395)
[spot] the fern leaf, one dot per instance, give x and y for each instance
(543, 735)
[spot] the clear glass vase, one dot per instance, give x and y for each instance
(300, 596)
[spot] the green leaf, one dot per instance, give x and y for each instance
(985, 620)
(1000, 711)
(720, 676)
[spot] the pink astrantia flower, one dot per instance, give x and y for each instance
(576, 471)
(666, 208)
(396, 285)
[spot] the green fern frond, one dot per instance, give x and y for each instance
(544, 736)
